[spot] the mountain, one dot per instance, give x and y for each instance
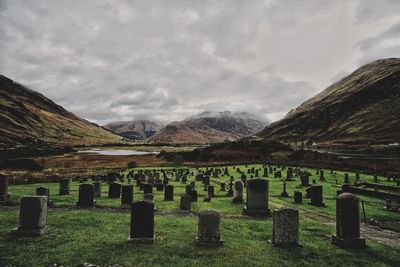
(136, 129)
(210, 127)
(362, 108)
(29, 120)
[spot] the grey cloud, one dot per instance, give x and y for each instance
(166, 60)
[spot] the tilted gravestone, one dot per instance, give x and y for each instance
(32, 216)
(209, 233)
(114, 190)
(127, 195)
(348, 222)
(97, 189)
(142, 222)
(316, 195)
(65, 186)
(285, 227)
(185, 203)
(86, 196)
(169, 193)
(4, 195)
(257, 198)
(238, 192)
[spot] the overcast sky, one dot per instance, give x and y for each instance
(166, 60)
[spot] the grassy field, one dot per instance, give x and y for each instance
(98, 235)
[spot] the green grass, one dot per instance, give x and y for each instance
(98, 236)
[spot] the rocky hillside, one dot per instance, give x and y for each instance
(210, 127)
(361, 109)
(29, 120)
(135, 130)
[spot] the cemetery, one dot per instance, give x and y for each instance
(255, 214)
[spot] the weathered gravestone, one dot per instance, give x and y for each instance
(238, 192)
(169, 193)
(284, 192)
(188, 188)
(97, 189)
(160, 187)
(193, 195)
(316, 195)
(346, 178)
(86, 196)
(321, 175)
(210, 191)
(147, 189)
(185, 203)
(298, 197)
(209, 234)
(32, 216)
(257, 198)
(285, 227)
(222, 187)
(65, 186)
(4, 195)
(127, 195)
(348, 222)
(230, 190)
(114, 190)
(142, 222)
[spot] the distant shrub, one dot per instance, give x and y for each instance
(132, 164)
(21, 164)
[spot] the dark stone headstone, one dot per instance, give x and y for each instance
(238, 192)
(86, 196)
(257, 198)
(210, 191)
(188, 188)
(284, 192)
(346, 178)
(160, 187)
(142, 222)
(97, 189)
(127, 195)
(316, 195)
(43, 191)
(65, 186)
(348, 222)
(298, 197)
(185, 203)
(169, 193)
(147, 189)
(193, 195)
(305, 180)
(114, 190)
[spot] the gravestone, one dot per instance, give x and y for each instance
(230, 191)
(346, 178)
(316, 195)
(193, 195)
(169, 193)
(127, 195)
(86, 196)
(114, 190)
(142, 222)
(257, 198)
(265, 174)
(97, 189)
(43, 191)
(160, 187)
(185, 204)
(32, 216)
(238, 192)
(4, 195)
(348, 222)
(188, 188)
(285, 227)
(65, 186)
(284, 192)
(305, 180)
(210, 191)
(321, 175)
(209, 234)
(298, 197)
(222, 187)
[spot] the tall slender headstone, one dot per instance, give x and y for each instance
(142, 222)
(298, 197)
(238, 192)
(169, 193)
(43, 191)
(193, 195)
(209, 234)
(32, 216)
(97, 189)
(4, 195)
(305, 180)
(86, 196)
(257, 198)
(348, 222)
(285, 227)
(316, 195)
